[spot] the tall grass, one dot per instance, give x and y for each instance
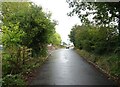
(108, 62)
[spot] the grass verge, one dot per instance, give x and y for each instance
(108, 64)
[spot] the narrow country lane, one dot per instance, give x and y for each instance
(66, 67)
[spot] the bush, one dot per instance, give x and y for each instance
(10, 65)
(13, 80)
(114, 60)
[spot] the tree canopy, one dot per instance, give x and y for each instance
(55, 39)
(98, 14)
(92, 39)
(35, 24)
(102, 13)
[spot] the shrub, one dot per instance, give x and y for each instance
(13, 80)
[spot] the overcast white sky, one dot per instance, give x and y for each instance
(59, 10)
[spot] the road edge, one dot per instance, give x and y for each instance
(100, 69)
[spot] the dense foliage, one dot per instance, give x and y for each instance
(26, 32)
(98, 40)
(99, 45)
(55, 39)
(103, 12)
(36, 25)
(97, 13)
(99, 34)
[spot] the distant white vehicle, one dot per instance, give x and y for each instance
(67, 47)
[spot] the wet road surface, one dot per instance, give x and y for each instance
(66, 67)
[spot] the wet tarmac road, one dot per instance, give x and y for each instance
(66, 67)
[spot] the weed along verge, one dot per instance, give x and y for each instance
(29, 71)
(29, 76)
(103, 66)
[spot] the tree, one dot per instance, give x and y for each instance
(105, 13)
(55, 39)
(36, 24)
(105, 37)
(26, 32)
(64, 43)
(93, 39)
